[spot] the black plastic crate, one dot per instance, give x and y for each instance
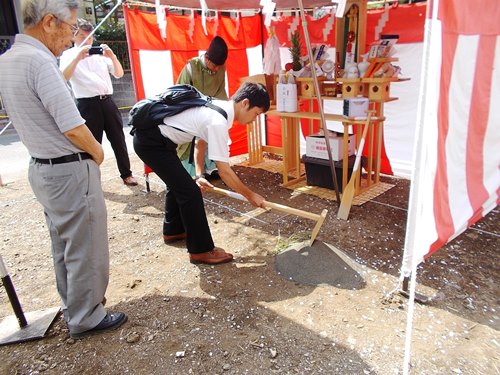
(318, 171)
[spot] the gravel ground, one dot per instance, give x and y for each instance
(246, 317)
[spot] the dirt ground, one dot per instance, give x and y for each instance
(246, 317)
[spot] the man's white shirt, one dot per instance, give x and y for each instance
(205, 123)
(91, 76)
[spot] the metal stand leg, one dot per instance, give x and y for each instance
(420, 298)
(11, 293)
(146, 177)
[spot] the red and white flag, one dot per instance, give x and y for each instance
(456, 176)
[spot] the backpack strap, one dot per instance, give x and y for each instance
(211, 105)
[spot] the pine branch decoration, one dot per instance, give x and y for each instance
(295, 50)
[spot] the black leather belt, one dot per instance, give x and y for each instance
(100, 97)
(64, 159)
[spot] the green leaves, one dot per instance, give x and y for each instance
(295, 50)
(111, 30)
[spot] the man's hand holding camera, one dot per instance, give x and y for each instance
(107, 51)
(84, 52)
(88, 50)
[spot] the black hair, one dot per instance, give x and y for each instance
(256, 94)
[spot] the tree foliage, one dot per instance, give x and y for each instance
(111, 30)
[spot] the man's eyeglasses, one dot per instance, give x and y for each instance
(74, 28)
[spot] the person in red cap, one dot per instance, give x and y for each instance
(208, 74)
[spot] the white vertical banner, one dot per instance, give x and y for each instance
(424, 166)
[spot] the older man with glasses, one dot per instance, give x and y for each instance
(64, 167)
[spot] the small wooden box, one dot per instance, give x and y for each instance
(305, 87)
(351, 87)
(378, 88)
(330, 88)
(364, 89)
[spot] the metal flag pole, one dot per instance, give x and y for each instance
(5, 128)
(100, 23)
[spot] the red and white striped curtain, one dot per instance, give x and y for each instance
(456, 177)
(157, 62)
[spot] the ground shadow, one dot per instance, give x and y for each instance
(178, 335)
(140, 203)
(252, 278)
(319, 264)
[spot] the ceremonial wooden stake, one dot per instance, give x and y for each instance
(279, 207)
(348, 194)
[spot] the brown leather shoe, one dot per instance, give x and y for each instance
(130, 181)
(215, 256)
(174, 237)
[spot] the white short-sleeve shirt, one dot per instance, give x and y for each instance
(205, 123)
(91, 75)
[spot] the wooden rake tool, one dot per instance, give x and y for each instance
(348, 194)
(319, 219)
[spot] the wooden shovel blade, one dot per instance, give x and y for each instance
(347, 198)
(348, 194)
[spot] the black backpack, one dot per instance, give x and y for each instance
(149, 113)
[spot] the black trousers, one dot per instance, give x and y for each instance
(184, 208)
(102, 115)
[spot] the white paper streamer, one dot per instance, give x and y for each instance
(339, 13)
(382, 21)
(272, 59)
(161, 19)
(204, 9)
(328, 26)
(216, 24)
(268, 10)
(191, 26)
(238, 22)
(294, 25)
